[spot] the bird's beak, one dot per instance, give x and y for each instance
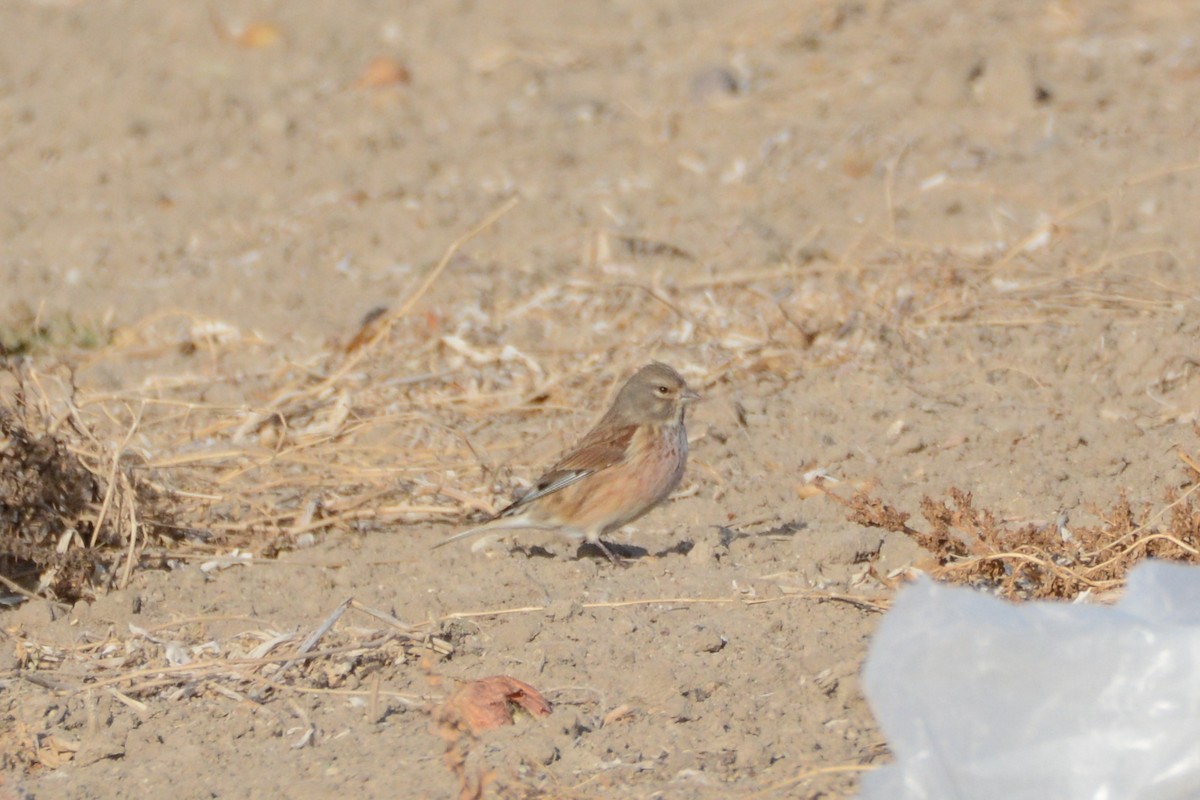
(691, 396)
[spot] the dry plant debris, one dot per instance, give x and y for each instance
(407, 420)
(488, 703)
(73, 512)
(180, 660)
(969, 546)
(255, 35)
(27, 330)
(215, 440)
(474, 708)
(46, 495)
(383, 71)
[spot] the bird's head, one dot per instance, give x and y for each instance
(655, 394)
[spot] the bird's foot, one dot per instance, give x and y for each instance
(617, 555)
(616, 560)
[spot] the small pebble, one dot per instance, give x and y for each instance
(713, 83)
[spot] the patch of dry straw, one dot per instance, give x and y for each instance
(197, 437)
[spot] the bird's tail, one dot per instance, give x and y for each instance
(498, 524)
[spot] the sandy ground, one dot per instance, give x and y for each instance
(912, 245)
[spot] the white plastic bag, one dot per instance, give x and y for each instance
(980, 698)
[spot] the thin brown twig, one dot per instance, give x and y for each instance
(112, 475)
(408, 699)
(1142, 542)
(316, 635)
(385, 328)
(134, 527)
(228, 665)
(498, 612)
(13, 586)
(970, 563)
(1145, 525)
(812, 772)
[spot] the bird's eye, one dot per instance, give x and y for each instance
(663, 390)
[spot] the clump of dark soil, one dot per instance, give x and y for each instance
(46, 500)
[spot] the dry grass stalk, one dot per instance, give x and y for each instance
(865, 603)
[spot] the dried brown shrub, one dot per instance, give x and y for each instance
(45, 494)
(970, 547)
(67, 511)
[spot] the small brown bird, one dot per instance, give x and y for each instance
(629, 463)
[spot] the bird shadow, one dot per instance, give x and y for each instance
(729, 535)
(680, 548)
(623, 552)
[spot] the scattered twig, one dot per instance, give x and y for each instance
(810, 773)
(111, 482)
(316, 635)
(869, 604)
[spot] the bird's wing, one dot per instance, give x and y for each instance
(599, 450)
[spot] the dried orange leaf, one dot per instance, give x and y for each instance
(488, 703)
(54, 751)
(372, 325)
(258, 35)
(621, 712)
(255, 35)
(384, 71)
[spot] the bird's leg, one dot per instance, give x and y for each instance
(616, 560)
